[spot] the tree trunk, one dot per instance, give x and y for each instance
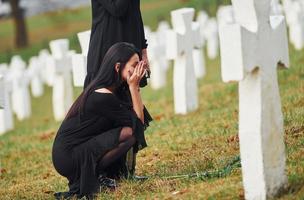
(21, 38)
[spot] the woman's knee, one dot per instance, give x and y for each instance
(126, 134)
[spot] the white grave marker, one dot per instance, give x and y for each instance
(162, 28)
(21, 99)
(180, 44)
(48, 61)
(211, 35)
(1, 91)
(6, 114)
(296, 25)
(225, 15)
(198, 54)
(251, 51)
(79, 61)
(202, 19)
(62, 86)
(158, 62)
(35, 69)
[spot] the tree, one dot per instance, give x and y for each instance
(21, 37)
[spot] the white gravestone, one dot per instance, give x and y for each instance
(202, 19)
(296, 25)
(6, 114)
(35, 69)
(62, 86)
(198, 54)
(158, 62)
(1, 91)
(47, 72)
(79, 61)
(180, 44)
(200, 65)
(21, 99)
(211, 35)
(251, 51)
(162, 28)
(225, 15)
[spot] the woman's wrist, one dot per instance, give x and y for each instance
(134, 88)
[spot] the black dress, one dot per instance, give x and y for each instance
(113, 21)
(82, 140)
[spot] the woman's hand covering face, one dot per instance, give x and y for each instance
(139, 72)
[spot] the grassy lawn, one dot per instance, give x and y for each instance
(202, 140)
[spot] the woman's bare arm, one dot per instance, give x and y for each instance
(133, 82)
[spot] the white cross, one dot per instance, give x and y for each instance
(251, 51)
(202, 19)
(1, 91)
(157, 62)
(36, 80)
(296, 24)
(62, 86)
(225, 15)
(79, 61)
(180, 44)
(6, 114)
(47, 61)
(20, 95)
(162, 28)
(198, 53)
(211, 35)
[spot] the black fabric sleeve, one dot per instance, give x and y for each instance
(110, 107)
(143, 38)
(117, 8)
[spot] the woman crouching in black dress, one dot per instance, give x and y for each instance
(100, 128)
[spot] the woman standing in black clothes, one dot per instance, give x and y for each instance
(114, 21)
(117, 21)
(100, 128)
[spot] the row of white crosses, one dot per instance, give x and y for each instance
(159, 59)
(17, 79)
(251, 50)
(15, 91)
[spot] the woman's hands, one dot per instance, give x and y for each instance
(138, 73)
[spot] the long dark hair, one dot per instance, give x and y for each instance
(107, 76)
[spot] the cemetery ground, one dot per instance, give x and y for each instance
(204, 140)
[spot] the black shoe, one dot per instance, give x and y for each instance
(106, 182)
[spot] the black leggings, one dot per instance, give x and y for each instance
(126, 141)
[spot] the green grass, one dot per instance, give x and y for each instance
(202, 140)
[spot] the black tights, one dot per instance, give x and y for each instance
(126, 141)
